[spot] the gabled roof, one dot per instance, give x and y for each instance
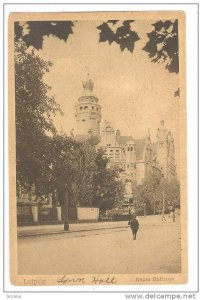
(123, 139)
(139, 143)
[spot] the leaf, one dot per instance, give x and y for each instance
(39, 29)
(18, 30)
(106, 34)
(177, 93)
(112, 21)
(123, 35)
(165, 32)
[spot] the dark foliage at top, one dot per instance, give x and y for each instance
(163, 44)
(177, 93)
(39, 29)
(123, 35)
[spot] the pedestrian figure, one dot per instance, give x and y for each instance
(134, 225)
(163, 215)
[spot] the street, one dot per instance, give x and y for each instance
(112, 251)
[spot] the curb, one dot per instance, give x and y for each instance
(66, 232)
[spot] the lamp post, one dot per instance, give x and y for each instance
(154, 196)
(129, 215)
(163, 208)
(66, 200)
(145, 213)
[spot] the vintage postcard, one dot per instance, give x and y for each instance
(97, 129)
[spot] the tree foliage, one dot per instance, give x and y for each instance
(34, 110)
(144, 193)
(171, 190)
(37, 30)
(108, 187)
(150, 194)
(162, 46)
(83, 171)
(123, 35)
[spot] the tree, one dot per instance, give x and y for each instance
(145, 194)
(84, 167)
(34, 109)
(108, 188)
(162, 46)
(171, 190)
(37, 30)
(73, 167)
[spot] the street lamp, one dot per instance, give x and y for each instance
(66, 200)
(154, 197)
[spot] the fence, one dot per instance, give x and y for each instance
(29, 215)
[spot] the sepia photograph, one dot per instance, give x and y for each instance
(97, 117)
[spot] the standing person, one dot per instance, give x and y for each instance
(163, 217)
(134, 224)
(163, 214)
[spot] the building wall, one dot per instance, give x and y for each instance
(88, 118)
(140, 172)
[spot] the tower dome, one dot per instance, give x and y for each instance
(88, 114)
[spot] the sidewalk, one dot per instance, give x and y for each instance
(59, 228)
(39, 230)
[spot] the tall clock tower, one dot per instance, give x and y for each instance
(88, 114)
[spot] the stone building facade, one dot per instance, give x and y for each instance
(137, 157)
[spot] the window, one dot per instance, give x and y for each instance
(85, 107)
(83, 120)
(81, 107)
(92, 107)
(97, 108)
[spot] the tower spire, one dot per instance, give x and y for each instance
(88, 84)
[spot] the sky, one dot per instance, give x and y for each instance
(135, 94)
